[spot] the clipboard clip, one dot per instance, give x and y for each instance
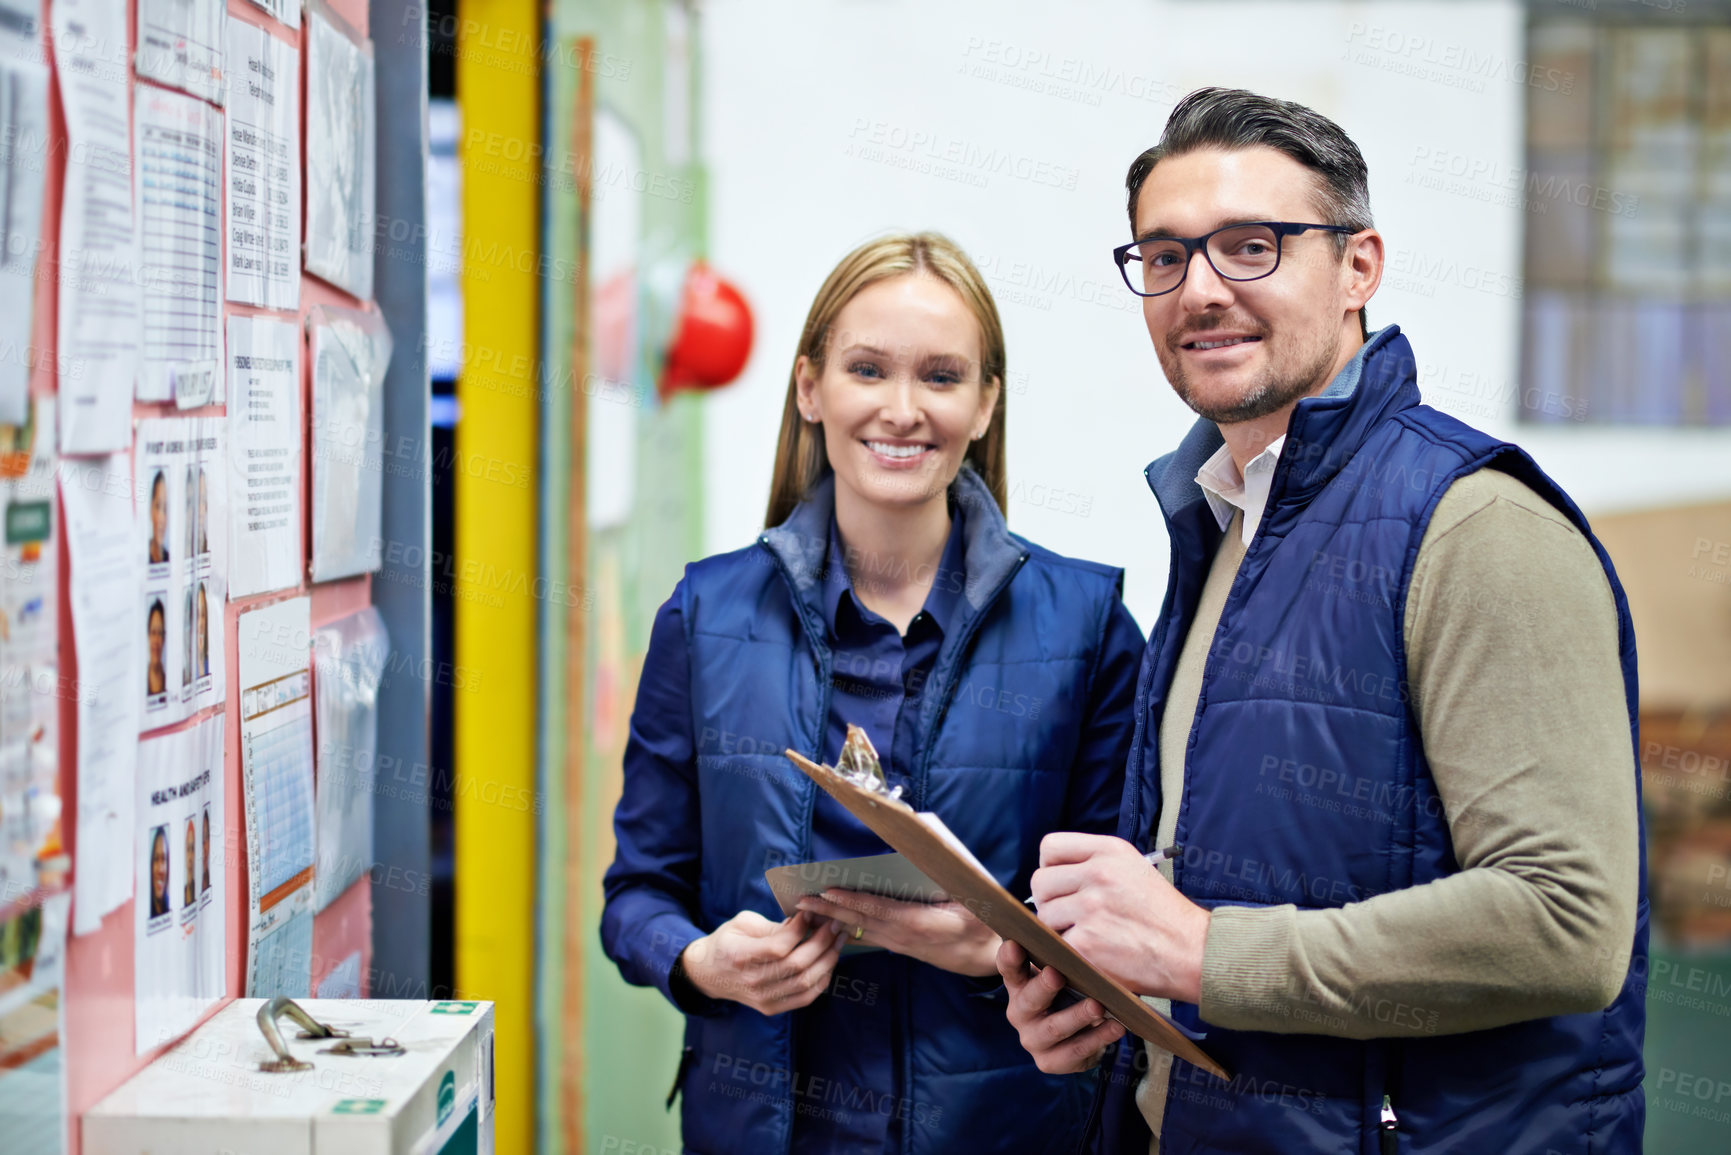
(858, 765)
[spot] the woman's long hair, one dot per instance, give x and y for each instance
(800, 457)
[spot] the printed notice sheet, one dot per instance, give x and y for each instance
(179, 209)
(263, 169)
(276, 758)
(340, 127)
(100, 303)
(180, 44)
(106, 627)
(20, 29)
(23, 165)
(264, 465)
(181, 524)
(288, 11)
(178, 965)
(31, 853)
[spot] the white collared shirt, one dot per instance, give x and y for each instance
(1227, 490)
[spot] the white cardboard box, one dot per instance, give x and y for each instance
(207, 1096)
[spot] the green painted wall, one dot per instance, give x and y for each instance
(629, 1040)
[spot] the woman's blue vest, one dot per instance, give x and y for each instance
(1002, 725)
(1304, 693)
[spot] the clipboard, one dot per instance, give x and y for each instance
(943, 858)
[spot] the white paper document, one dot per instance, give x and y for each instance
(263, 169)
(106, 628)
(30, 687)
(178, 963)
(100, 300)
(288, 11)
(340, 166)
(264, 464)
(180, 44)
(23, 165)
(179, 151)
(180, 482)
(276, 757)
(20, 29)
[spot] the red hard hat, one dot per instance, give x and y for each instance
(712, 335)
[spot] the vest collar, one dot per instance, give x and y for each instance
(990, 554)
(1321, 437)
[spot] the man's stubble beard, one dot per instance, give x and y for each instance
(1281, 383)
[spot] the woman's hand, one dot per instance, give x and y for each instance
(771, 967)
(944, 934)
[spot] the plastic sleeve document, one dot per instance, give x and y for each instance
(925, 841)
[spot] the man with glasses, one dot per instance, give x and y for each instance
(1387, 716)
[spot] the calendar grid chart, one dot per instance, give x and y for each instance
(276, 748)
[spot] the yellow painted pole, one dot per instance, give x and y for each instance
(498, 96)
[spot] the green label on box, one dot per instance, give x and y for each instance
(453, 1008)
(358, 1107)
(447, 1096)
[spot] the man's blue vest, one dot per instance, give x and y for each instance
(1307, 672)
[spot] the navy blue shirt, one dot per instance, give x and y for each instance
(843, 1041)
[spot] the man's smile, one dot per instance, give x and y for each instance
(1217, 342)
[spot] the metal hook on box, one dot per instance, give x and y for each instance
(383, 1047)
(311, 1028)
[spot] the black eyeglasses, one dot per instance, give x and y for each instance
(1243, 252)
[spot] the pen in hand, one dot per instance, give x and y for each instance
(1165, 854)
(1155, 858)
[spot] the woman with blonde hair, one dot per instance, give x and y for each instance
(994, 678)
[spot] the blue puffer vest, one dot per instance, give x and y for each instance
(1003, 725)
(1308, 665)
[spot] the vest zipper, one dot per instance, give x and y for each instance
(1388, 1137)
(686, 1058)
(917, 781)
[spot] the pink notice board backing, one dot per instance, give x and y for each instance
(97, 1047)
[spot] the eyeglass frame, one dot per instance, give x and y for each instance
(1282, 230)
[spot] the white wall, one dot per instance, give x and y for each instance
(1009, 127)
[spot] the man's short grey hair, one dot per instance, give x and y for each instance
(1232, 118)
